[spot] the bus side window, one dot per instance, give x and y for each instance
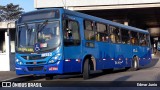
(114, 34)
(88, 29)
(143, 40)
(125, 34)
(67, 29)
(101, 32)
(71, 32)
(134, 38)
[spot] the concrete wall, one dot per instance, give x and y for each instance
(4, 62)
(7, 58)
(80, 3)
(154, 31)
(3, 25)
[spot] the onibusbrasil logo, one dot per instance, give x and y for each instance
(15, 84)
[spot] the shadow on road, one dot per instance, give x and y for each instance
(25, 78)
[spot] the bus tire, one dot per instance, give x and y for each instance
(86, 69)
(135, 64)
(49, 77)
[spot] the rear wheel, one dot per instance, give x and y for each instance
(86, 69)
(49, 77)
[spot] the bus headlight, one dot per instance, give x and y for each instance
(19, 62)
(57, 56)
(54, 59)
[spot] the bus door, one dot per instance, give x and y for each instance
(72, 44)
(89, 45)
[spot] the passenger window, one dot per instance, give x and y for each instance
(114, 34)
(89, 32)
(143, 40)
(102, 33)
(71, 32)
(134, 38)
(125, 34)
(88, 25)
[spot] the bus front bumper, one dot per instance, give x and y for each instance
(39, 69)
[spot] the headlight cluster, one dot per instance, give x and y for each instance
(19, 62)
(54, 58)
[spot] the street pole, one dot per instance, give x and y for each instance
(9, 44)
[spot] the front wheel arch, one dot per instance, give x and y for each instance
(92, 60)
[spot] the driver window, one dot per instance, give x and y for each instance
(48, 33)
(71, 32)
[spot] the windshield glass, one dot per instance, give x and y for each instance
(38, 36)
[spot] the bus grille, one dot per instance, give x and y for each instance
(36, 57)
(35, 68)
(41, 62)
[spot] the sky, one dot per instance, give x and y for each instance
(27, 5)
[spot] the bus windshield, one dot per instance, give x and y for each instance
(45, 34)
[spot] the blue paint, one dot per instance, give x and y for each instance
(71, 58)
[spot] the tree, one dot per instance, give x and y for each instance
(1, 12)
(10, 12)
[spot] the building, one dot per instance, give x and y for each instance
(144, 14)
(7, 45)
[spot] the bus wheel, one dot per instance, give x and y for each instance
(135, 64)
(86, 69)
(49, 76)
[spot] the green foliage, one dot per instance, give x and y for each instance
(10, 12)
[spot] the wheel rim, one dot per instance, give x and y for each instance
(135, 64)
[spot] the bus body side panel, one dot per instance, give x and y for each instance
(72, 59)
(114, 55)
(119, 56)
(144, 54)
(126, 55)
(106, 53)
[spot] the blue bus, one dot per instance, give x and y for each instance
(59, 41)
(158, 45)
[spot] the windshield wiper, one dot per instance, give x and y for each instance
(40, 28)
(26, 25)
